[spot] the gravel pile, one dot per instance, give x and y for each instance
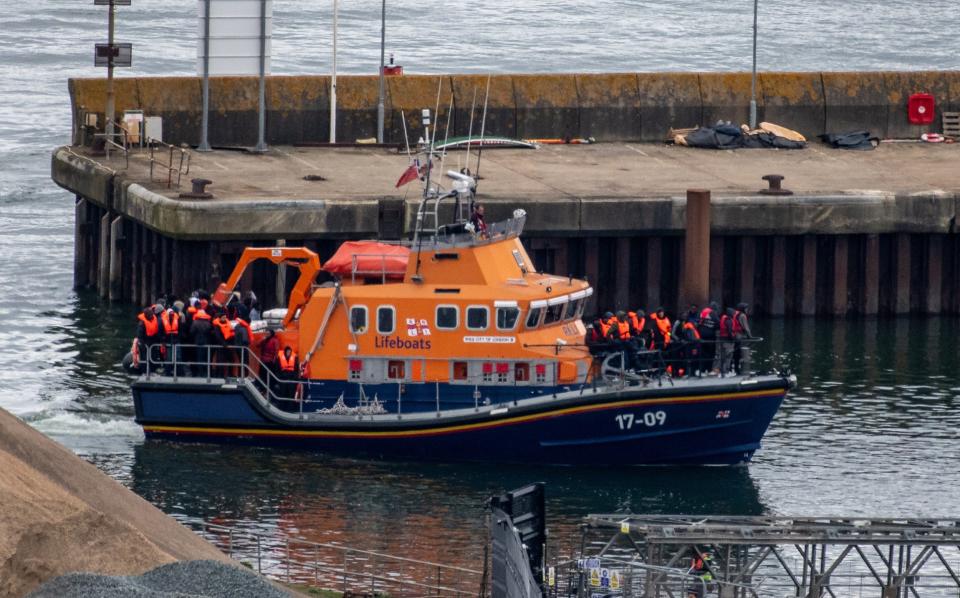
(183, 579)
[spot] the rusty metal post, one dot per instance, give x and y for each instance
(696, 266)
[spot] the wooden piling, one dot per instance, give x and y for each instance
(654, 259)
(778, 276)
(808, 292)
(841, 260)
(133, 258)
(695, 288)
(748, 260)
(716, 267)
(902, 294)
(79, 244)
(591, 262)
(934, 274)
(623, 268)
(103, 267)
(116, 259)
(871, 275)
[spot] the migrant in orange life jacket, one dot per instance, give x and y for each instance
(225, 328)
(637, 322)
(201, 315)
(240, 322)
(151, 326)
(623, 330)
(663, 325)
(287, 365)
(689, 326)
(604, 327)
(171, 321)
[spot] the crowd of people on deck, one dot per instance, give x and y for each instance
(698, 342)
(184, 337)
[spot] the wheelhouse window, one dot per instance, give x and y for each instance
(358, 319)
(477, 317)
(536, 313)
(448, 317)
(507, 316)
(460, 370)
(554, 314)
(571, 310)
(386, 319)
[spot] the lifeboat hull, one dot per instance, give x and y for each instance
(709, 421)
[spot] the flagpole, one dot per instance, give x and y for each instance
(333, 81)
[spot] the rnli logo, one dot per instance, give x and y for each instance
(417, 327)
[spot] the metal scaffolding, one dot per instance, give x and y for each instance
(810, 557)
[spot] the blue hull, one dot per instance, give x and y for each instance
(716, 422)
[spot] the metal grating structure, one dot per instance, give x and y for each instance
(808, 557)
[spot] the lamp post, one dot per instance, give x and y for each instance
(333, 81)
(383, 43)
(753, 78)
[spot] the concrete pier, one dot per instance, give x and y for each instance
(838, 247)
(865, 233)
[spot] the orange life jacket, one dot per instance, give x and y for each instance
(225, 329)
(201, 315)
(171, 321)
(151, 326)
(286, 365)
(623, 330)
(636, 322)
(604, 327)
(663, 325)
(689, 326)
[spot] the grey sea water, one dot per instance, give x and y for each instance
(872, 430)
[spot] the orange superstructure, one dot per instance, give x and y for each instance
(467, 311)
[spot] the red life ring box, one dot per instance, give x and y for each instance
(920, 108)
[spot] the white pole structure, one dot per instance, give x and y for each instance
(262, 99)
(110, 109)
(205, 119)
(383, 44)
(753, 78)
(333, 81)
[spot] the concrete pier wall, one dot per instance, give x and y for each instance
(889, 256)
(608, 107)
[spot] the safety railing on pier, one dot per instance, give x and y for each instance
(176, 164)
(172, 162)
(340, 568)
(119, 140)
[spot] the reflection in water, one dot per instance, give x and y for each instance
(430, 512)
